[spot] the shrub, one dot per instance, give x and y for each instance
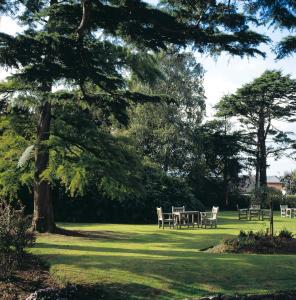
(285, 234)
(8, 264)
(239, 200)
(242, 234)
(15, 236)
(273, 196)
(259, 242)
(290, 200)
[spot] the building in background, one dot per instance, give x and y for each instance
(247, 184)
(274, 182)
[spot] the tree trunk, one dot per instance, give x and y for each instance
(226, 183)
(263, 166)
(257, 183)
(225, 171)
(226, 195)
(271, 224)
(257, 177)
(43, 218)
(262, 160)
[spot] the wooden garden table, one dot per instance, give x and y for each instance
(190, 217)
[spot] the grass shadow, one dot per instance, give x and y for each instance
(192, 275)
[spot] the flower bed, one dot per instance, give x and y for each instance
(258, 242)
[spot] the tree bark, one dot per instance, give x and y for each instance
(257, 183)
(43, 217)
(257, 177)
(262, 159)
(225, 171)
(271, 223)
(226, 195)
(86, 8)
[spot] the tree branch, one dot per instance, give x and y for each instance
(86, 8)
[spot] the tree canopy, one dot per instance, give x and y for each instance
(71, 67)
(278, 14)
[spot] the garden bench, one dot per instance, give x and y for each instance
(266, 214)
(254, 212)
(243, 213)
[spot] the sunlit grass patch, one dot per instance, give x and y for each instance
(145, 262)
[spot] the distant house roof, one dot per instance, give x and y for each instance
(273, 179)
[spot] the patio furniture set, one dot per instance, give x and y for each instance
(287, 212)
(180, 217)
(254, 212)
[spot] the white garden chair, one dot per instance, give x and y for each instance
(209, 218)
(164, 218)
(283, 209)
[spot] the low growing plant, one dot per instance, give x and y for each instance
(261, 242)
(15, 236)
(285, 234)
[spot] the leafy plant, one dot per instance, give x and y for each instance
(261, 242)
(15, 236)
(285, 234)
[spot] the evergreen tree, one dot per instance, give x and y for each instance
(221, 149)
(279, 14)
(90, 47)
(270, 97)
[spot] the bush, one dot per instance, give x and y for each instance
(258, 242)
(285, 234)
(239, 200)
(289, 200)
(273, 196)
(8, 264)
(15, 236)
(159, 189)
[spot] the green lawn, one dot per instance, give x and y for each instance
(144, 262)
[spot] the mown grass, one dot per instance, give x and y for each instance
(144, 262)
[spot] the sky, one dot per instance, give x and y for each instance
(223, 76)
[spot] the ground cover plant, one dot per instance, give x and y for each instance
(143, 262)
(258, 242)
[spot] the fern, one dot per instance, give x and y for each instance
(27, 154)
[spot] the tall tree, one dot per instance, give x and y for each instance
(221, 150)
(270, 97)
(163, 131)
(90, 47)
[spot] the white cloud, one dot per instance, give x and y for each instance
(9, 26)
(216, 86)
